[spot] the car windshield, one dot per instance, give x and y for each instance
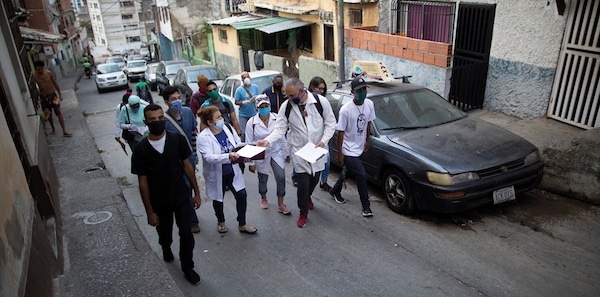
(263, 82)
(414, 109)
(137, 64)
(210, 73)
(114, 60)
(108, 68)
(172, 69)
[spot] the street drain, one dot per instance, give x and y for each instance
(97, 218)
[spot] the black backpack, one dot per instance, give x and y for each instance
(319, 106)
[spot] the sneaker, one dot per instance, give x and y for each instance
(192, 277)
(284, 209)
(337, 196)
(367, 212)
(311, 205)
(324, 186)
(302, 220)
(195, 229)
(168, 255)
(264, 204)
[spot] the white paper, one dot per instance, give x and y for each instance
(311, 153)
(250, 151)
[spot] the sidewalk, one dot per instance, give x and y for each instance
(105, 252)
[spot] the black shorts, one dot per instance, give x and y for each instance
(51, 102)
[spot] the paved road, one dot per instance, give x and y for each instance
(540, 245)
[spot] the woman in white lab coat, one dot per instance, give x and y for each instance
(216, 143)
(259, 127)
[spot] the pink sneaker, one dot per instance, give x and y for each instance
(302, 220)
(311, 205)
(284, 209)
(264, 204)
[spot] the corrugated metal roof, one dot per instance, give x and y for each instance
(40, 35)
(282, 26)
(255, 24)
(234, 19)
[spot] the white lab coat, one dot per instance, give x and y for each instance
(317, 128)
(212, 159)
(278, 151)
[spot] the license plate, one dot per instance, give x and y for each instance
(113, 83)
(504, 194)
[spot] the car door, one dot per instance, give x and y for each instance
(160, 75)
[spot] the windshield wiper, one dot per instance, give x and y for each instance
(405, 128)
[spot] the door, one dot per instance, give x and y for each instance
(328, 43)
(575, 95)
(471, 55)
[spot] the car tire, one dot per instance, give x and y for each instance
(398, 192)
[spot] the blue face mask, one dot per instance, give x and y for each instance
(135, 109)
(263, 111)
(220, 123)
(298, 98)
(177, 105)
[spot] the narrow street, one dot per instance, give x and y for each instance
(540, 245)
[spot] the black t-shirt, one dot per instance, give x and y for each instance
(164, 171)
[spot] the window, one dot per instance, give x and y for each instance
(96, 5)
(130, 27)
(223, 35)
(423, 20)
(127, 16)
(126, 3)
(355, 18)
(305, 39)
(133, 38)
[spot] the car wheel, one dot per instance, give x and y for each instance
(398, 192)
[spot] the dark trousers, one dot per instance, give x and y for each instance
(306, 186)
(194, 217)
(240, 202)
(182, 213)
(355, 168)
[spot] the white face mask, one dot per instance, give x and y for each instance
(247, 81)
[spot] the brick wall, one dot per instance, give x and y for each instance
(424, 51)
(38, 19)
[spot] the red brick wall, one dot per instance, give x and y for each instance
(38, 19)
(424, 51)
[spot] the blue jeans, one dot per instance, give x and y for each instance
(355, 168)
(279, 179)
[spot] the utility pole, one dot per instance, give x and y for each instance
(145, 28)
(341, 55)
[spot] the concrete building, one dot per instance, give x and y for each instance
(121, 26)
(529, 59)
(30, 221)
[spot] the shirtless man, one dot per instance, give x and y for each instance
(50, 95)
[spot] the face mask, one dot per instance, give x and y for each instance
(202, 89)
(298, 98)
(177, 105)
(361, 96)
(263, 111)
(277, 87)
(135, 109)
(247, 81)
(220, 123)
(156, 127)
(213, 94)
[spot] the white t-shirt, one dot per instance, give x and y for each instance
(353, 121)
(159, 145)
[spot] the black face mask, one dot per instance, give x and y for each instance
(277, 87)
(157, 127)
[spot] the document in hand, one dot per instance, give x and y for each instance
(252, 152)
(311, 153)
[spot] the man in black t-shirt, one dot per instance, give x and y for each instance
(160, 161)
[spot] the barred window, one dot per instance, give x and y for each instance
(425, 20)
(133, 38)
(223, 35)
(127, 16)
(356, 18)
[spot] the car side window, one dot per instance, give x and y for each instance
(226, 89)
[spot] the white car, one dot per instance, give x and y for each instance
(116, 59)
(110, 76)
(135, 69)
(150, 75)
(262, 79)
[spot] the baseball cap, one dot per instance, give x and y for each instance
(202, 80)
(262, 98)
(358, 83)
(133, 99)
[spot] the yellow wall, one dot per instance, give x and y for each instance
(370, 14)
(230, 47)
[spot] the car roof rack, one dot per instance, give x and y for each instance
(371, 71)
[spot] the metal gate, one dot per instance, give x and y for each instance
(576, 94)
(471, 55)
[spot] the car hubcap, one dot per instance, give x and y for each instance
(394, 190)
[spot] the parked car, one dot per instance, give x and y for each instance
(144, 52)
(135, 57)
(186, 79)
(150, 75)
(165, 72)
(110, 76)
(135, 69)
(116, 59)
(262, 78)
(427, 154)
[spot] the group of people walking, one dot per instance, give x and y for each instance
(283, 118)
